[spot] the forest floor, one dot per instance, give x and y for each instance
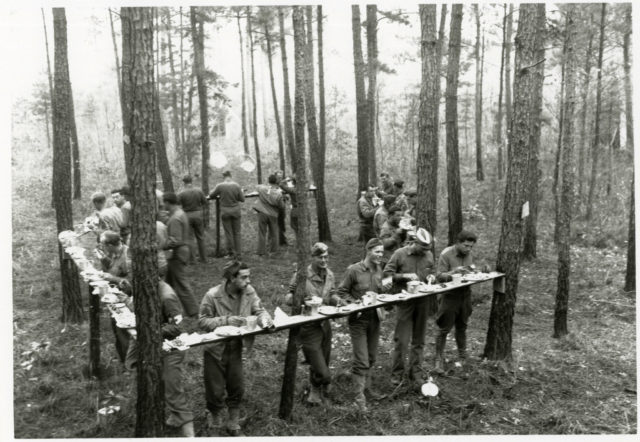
(584, 383)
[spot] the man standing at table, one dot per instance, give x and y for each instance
(231, 196)
(366, 212)
(288, 187)
(193, 202)
(120, 198)
(454, 307)
(178, 256)
(109, 218)
(413, 262)
(386, 185)
(364, 327)
(268, 203)
(316, 337)
(382, 213)
(282, 212)
(228, 304)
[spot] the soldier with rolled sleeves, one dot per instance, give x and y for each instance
(228, 303)
(454, 307)
(364, 327)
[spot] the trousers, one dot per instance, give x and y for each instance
(231, 224)
(411, 325)
(223, 378)
(196, 229)
(454, 309)
(365, 334)
(177, 279)
(270, 224)
(316, 346)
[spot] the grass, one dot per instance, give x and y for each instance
(584, 383)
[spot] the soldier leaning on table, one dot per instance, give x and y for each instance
(228, 304)
(364, 327)
(180, 415)
(316, 337)
(454, 307)
(413, 262)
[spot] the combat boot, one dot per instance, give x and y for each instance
(315, 396)
(360, 399)
(233, 423)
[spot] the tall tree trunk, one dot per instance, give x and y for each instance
(302, 233)
(454, 200)
(596, 137)
(71, 299)
(127, 86)
(75, 149)
(245, 135)
(274, 97)
(372, 72)
(610, 130)
(498, 133)
(531, 223)
(315, 150)
(197, 32)
(583, 116)
(182, 125)
(427, 167)
(256, 145)
(557, 170)
(175, 123)
(526, 79)
(568, 175)
(362, 110)
(628, 109)
(288, 125)
(161, 149)
(507, 73)
(630, 277)
(141, 103)
(249, 73)
(321, 94)
(115, 51)
(50, 78)
(478, 125)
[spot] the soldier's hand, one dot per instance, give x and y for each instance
(236, 321)
(411, 276)
(485, 269)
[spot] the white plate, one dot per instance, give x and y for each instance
(349, 308)
(228, 330)
(387, 298)
(327, 310)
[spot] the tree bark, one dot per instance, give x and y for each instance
(526, 79)
(583, 115)
(427, 161)
(274, 97)
(596, 137)
(115, 51)
(50, 78)
(254, 109)
(161, 149)
(75, 149)
(628, 92)
(531, 233)
(175, 122)
(288, 125)
(498, 133)
(568, 175)
(302, 233)
(507, 74)
(141, 103)
(478, 125)
(372, 72)
(127, 86)
(71, 299)
(362, 109)
(630, 277)
(557, 170)
(182, 125)
(321, 96)
(197, 32)
(245, 136)
(454, 200)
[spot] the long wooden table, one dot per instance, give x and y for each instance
(298, 320)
